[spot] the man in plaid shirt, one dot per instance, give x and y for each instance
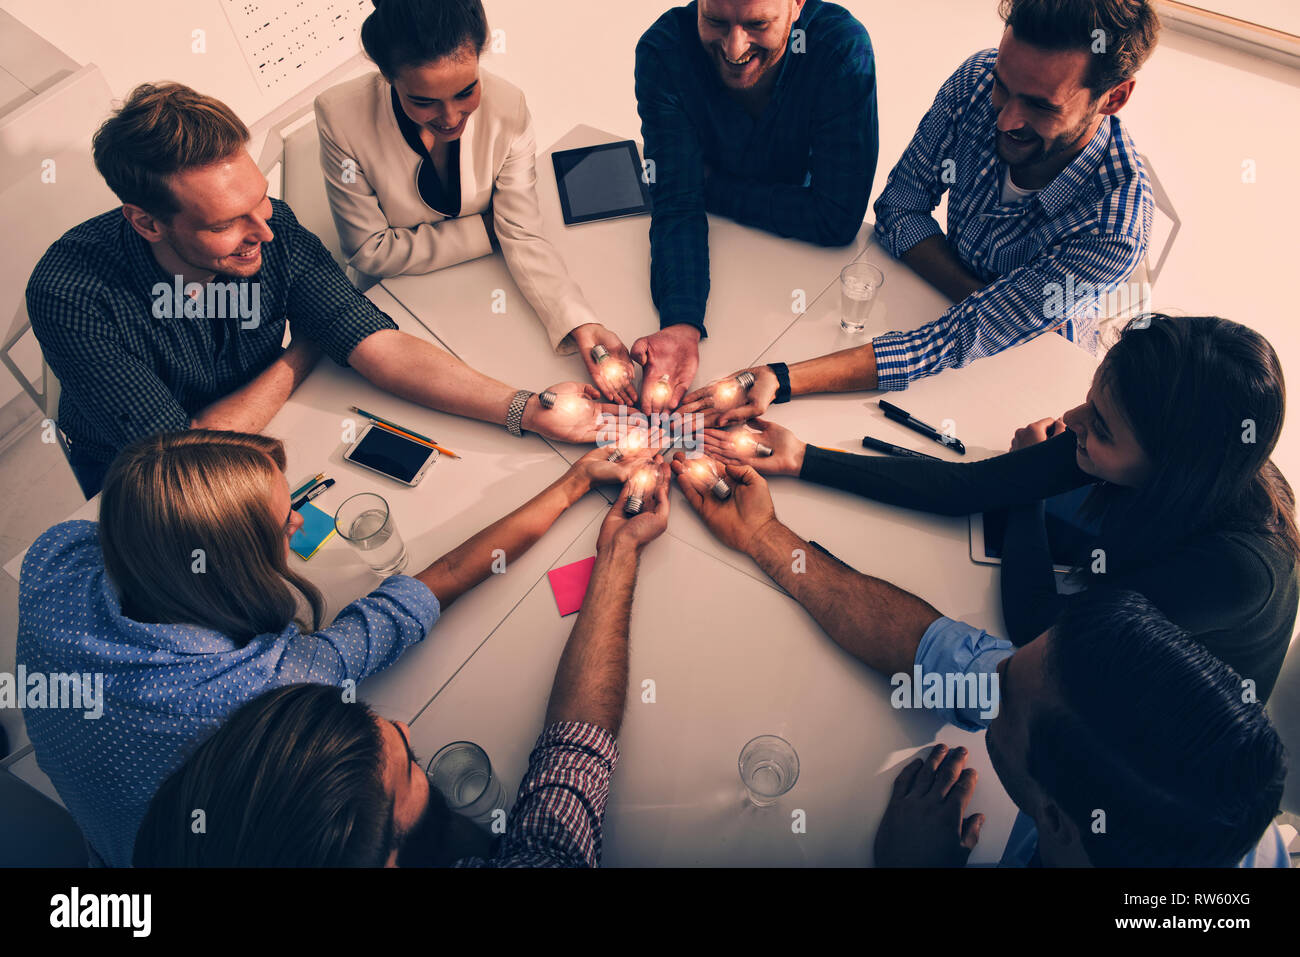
(300, 778)
(1049, 209)
(170, 311)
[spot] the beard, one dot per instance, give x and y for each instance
(1046, 150)
(769, 59)
(441, 838)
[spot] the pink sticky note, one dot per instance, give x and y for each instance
(569, 584)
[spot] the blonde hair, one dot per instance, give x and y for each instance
(188, 537)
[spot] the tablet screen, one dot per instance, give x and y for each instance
(1069, 535)
(600, 182)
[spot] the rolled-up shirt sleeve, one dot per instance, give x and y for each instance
(322, 304)
(951, 647)
(917, 182)
(366, 637)
(559, 814)
(1023, 304)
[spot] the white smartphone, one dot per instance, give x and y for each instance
(384, 451)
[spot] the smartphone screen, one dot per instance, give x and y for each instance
(391, 454)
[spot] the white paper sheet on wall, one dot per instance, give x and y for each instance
(289, 44)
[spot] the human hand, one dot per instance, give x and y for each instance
(575, 417)
(740, 447)
(595, 468)
(614, 375)
(1036, 432)
(724, 402)
(744, 513)
(923, 824)
(670, 358)
(650, 480)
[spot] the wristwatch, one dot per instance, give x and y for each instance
(782, 373)
(515, 414)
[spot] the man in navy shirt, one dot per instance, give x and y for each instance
(763, 111)
(169, 312)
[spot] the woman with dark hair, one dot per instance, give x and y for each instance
(1174, 439)
(181, 599)
(431, 162)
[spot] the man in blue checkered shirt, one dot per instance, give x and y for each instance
(170, 311)
(1049, 209)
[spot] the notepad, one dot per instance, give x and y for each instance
(317, 527)
(569, 584)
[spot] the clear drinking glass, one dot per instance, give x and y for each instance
(859, 284)
(366, 521)
(768, 767)
(463, 774)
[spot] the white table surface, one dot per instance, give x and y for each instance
(457, 498)
(754, 278)
(701, 608)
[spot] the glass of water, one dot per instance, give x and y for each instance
(463, 774)
(768, 767)
(366, 521)
(859, 284)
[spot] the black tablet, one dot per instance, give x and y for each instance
(601, 182)
(1070, 535)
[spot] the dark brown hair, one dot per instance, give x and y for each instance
(171, 496)
(405, 33)
(1205, 398)
(1129, 30)
(294, 778)
(160, 130)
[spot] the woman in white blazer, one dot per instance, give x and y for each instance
(431, 161)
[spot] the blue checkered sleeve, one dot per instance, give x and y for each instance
(679, 226)
(557, 818)
(917, 182)
(1023, 304)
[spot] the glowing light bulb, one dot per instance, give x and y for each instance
(641, 485)
(705, 473)
(662, 390)
(747, 443)
(611, 369)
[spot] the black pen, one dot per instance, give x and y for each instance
(869, 443)
(903, 418)
(311, 493)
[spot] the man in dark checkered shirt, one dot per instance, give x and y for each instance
(170, 312)
(359, 796)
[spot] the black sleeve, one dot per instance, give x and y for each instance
(1030, 603)
(952, 488)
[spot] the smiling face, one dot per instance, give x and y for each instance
(746, 38)
(1045, 112)
(1107, 447)
(223, 220)
(440, 96)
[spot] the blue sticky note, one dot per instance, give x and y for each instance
(316, 529)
